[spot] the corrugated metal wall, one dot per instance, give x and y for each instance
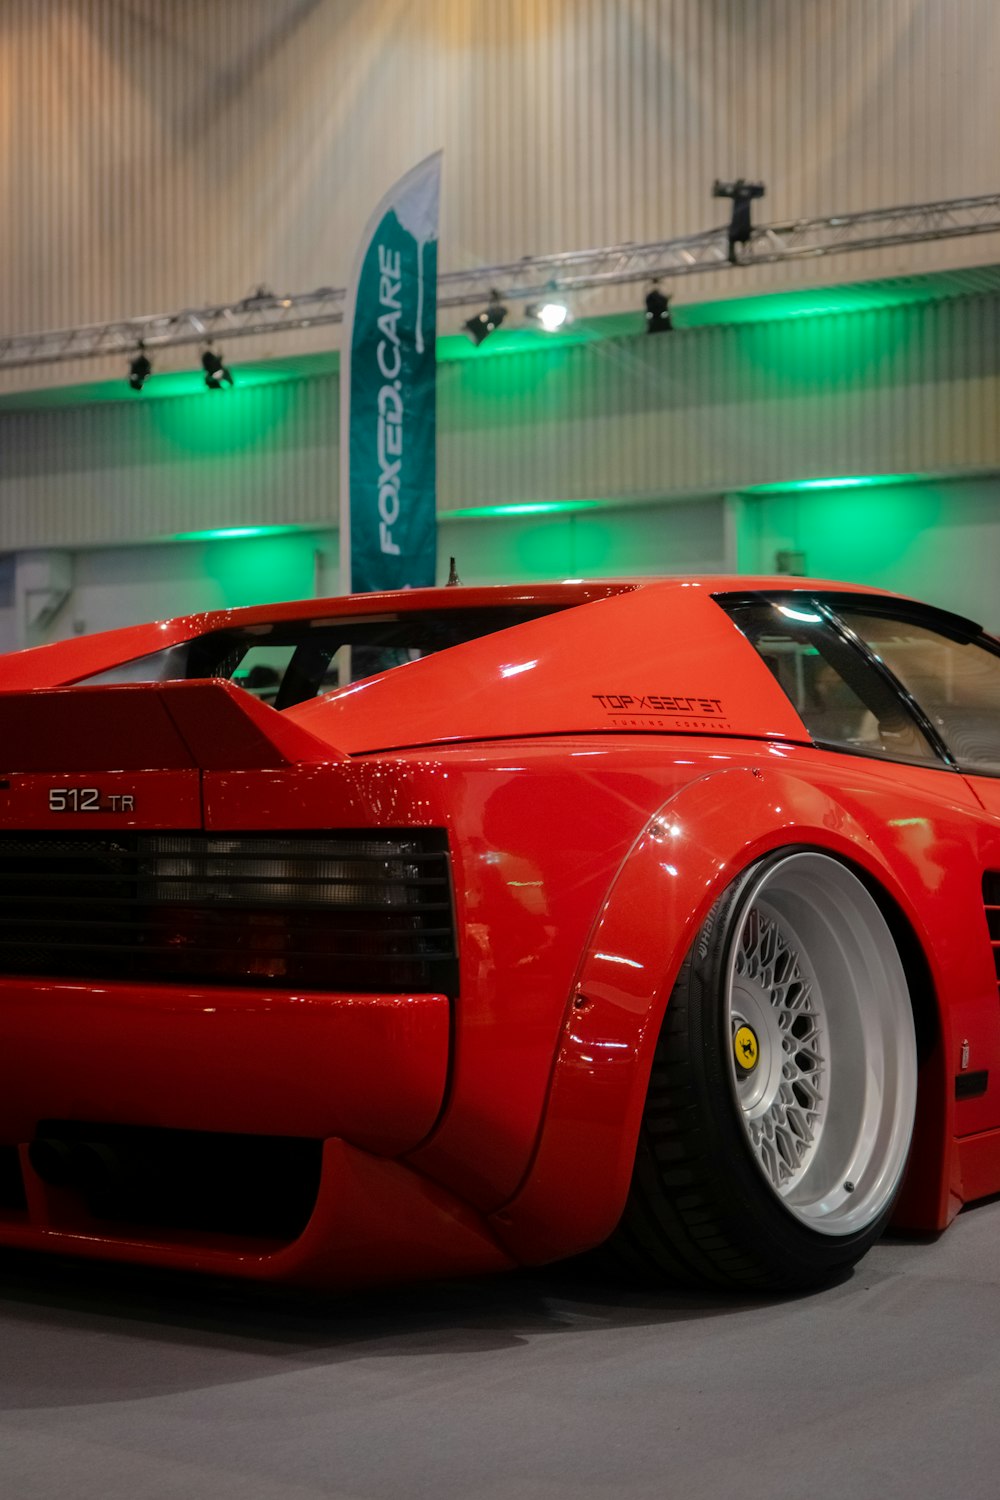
(117, 472)
(903, 389)
(907, 389)
(156, 156)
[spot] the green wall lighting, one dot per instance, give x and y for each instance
(532, 508)
(847, 482)
(833, 482)
(230, 533)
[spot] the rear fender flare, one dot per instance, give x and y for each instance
(687, 854)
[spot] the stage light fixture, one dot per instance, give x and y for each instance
(216, 373)
(657, 311)
(550, 315)
(486, 322)
(140, 369)
(742, 194)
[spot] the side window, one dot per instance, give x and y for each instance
(261, 670)
(162, 666)
(827, 704)
(840, 699)
(956, 683)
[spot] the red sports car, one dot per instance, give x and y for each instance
(458, 929)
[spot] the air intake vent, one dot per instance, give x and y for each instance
(355, 910)
(991, 901)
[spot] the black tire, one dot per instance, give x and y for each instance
(703, 1207)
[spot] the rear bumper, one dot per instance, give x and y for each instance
(365, 1075)
(374, 1221)
(370, 1069)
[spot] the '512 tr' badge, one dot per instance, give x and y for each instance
(88, 799)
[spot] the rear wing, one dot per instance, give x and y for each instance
(204, 724)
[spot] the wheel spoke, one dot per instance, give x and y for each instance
(785, 1133)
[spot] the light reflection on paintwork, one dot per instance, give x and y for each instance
(618, 958)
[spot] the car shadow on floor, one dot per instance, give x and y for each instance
(151, 1323)
(161, 1332)
(553, 1298)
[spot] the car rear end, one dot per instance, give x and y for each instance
(218, 1040)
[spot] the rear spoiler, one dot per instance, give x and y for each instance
(157, 726)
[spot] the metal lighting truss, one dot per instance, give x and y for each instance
(534, 276)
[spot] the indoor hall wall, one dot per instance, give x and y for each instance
(125, 585)
(913, 388)
(126, 471)
(939, 541)
(11, 635)
(162, 156)
(656, 538)
(116, 586)
(888, 390)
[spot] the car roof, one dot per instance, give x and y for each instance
(566, 593)
(78, 658)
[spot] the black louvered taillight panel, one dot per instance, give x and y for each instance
(364, 910)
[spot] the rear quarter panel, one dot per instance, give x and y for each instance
(916, 834)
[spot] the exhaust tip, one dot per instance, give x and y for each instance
(95, 1167)
(52, 1161)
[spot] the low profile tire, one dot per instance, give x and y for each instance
(783, 1089)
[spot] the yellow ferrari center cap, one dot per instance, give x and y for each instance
(746, 1049)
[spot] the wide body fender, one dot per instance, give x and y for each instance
(686, 855)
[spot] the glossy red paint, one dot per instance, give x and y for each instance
(149, 726)
(370, 1068)
(128, 799)
(605, 669)
(686, 855)
(374, 1221)
(589, 837)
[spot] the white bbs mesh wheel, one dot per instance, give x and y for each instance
(783, 1089)
(821, 1049)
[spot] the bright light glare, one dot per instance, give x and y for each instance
(552, 315)
(842, 482)
(799, 614)
(522, 666)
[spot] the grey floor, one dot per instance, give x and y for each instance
(552, 1387)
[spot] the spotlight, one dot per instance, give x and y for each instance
(742, 193)
(550, 315)
(140, 369)
(216, 373)
(657, 311)
(483, 324)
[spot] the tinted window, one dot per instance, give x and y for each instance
(840, 698)
(289, 662)
(956, 682)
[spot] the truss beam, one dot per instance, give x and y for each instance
(532, 277)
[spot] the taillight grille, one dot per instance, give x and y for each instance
(343, 910)
(991, 901)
